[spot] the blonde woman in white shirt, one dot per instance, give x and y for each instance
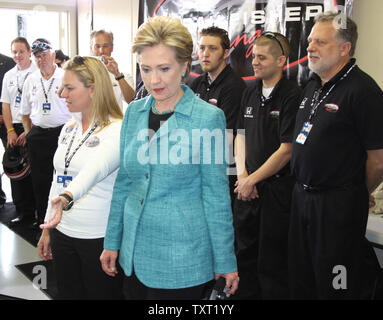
(86, 163)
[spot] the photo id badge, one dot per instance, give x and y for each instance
(46, 108)
(17, 101)
(63, 182)
(302, 136)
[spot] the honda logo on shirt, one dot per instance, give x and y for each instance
(249, 112)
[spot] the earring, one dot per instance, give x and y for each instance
(183, 74)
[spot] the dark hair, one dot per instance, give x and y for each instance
(61, 56)
(217, 32)
(21, 40)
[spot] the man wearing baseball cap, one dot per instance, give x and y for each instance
(43, 115)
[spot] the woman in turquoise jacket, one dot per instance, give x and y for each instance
(170, 220)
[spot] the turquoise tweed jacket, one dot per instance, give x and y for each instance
(170, 215)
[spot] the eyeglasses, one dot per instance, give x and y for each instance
(41, 45)
(273, 36)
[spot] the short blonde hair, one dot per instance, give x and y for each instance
(91, 71)
(170, 32)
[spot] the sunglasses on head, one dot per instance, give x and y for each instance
(273, 36)
(42, 45)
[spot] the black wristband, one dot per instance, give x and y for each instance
(70, 201)
(120, 77)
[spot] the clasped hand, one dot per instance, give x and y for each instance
(246, 189)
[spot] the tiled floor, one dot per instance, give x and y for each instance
(15, 250)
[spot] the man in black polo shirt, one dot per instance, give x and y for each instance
(338, 161)
(263, 151)
(219, 85)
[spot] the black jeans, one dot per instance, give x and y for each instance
(78, 269)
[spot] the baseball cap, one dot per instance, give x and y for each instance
(40, 45)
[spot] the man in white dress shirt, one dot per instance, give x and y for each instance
(43, 115)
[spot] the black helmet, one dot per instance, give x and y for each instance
(16, 163)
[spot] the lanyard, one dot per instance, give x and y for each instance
(20, 90)
(68, 160)
(49, 88)
(315, 103)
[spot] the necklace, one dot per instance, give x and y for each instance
(158, 112)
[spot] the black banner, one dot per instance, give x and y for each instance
(245, 20)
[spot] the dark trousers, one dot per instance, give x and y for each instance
(329, 256)
(3, 136)
(42, 145)
(134, 289)
(261, 227)
(22, 190)
(78, 269)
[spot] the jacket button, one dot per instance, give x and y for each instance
(142, 201)
(147, 175)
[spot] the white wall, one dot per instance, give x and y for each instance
(118, 16)
(48, 5)
(369, 54)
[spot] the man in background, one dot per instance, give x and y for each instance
(219, 85)
(43, 115)
(101, 45)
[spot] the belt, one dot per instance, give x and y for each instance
(49, 129)
(309, 188)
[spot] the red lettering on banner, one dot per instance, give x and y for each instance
(243, 38)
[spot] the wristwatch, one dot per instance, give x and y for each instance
(70, 201)
(120, 77)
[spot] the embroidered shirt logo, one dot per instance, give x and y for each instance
(213, 101)
(303, 103)
(331, 107)
(249, 112)
(274, 114)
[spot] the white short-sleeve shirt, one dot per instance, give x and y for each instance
(13, 83)
(117, 89)
(41, 102)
